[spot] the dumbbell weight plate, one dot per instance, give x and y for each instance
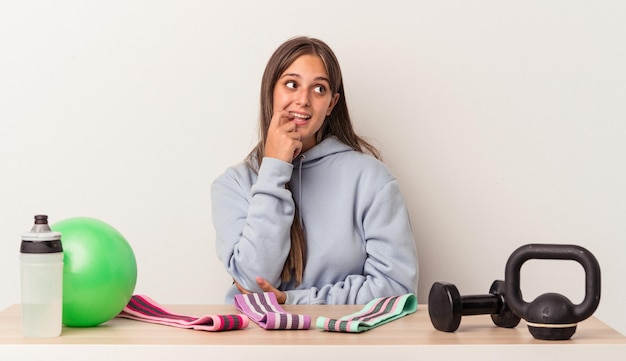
(444, 306)
(505, 317)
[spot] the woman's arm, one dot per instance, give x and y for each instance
(252, 218)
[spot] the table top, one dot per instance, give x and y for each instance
(414, 329)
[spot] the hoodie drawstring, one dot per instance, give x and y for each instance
(302, 156)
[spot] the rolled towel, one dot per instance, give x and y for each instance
(377, 312)
(143, 308)
(265, 311)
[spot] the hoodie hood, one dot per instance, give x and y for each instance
(326, 147)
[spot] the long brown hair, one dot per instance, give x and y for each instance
(337, 124)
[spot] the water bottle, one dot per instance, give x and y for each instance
(41, 266)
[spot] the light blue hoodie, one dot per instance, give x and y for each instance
(359, 240)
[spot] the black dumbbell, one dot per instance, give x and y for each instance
(446, 306)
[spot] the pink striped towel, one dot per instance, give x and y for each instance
(143, 308)
(264, 309)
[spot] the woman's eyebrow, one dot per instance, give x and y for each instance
(291, 74)
(296, 75)
(323, 78)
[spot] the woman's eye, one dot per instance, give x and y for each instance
(290, 84)
(319, 89)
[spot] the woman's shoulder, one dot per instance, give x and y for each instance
(238, 173)
(247, 172)
(363, 159)
(364, 166)
(333, 148)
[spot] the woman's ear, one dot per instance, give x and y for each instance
(332, 104)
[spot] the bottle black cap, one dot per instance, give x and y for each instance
(41, 239)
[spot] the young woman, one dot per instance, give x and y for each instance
(312, 215)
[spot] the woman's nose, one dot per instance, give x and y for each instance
(302, 98)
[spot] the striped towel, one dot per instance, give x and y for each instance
(377, 312)
(143, 308)
(263, 309)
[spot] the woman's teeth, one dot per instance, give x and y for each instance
(301, 116)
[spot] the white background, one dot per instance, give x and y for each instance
(503, 121)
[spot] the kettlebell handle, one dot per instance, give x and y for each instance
(558, 252)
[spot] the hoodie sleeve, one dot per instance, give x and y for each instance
(252, 219)
(391, 266)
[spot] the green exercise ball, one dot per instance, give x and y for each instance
(99, 271)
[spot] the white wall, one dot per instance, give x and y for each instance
(504, 122)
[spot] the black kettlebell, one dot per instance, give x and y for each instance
(552, 316)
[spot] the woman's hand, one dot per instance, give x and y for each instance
(281, 296)
(283, 141)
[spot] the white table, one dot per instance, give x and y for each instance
(410, 338)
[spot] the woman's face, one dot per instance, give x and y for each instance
(303, 90)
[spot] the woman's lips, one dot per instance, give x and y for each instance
(299, 118)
